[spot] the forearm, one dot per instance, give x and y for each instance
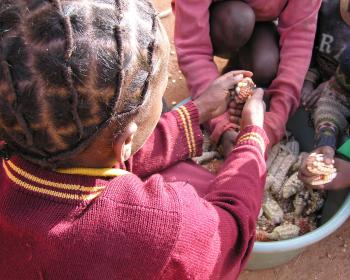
(331, 114)
(221, 227)
(176, 137)
(193, 44)
(245, 169)
(297, 32)
(237, 195)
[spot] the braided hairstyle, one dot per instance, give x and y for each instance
(68, 69)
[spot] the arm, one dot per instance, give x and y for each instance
(221, 227)
(195, 54)
(176, 137)
(193, 44)
(297, 26)
(333, 108)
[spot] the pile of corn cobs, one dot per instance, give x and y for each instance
(289, 209)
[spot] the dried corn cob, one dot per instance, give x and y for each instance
(283, 232)
(273, 155)
(300, 201)
(325, 173)
(297, 164)
(277, 162)
(281, 173)
(244, 90)
(264, 223)
(261, 235)
(291, 186)
(213, 166)
(293, 147)
(322, 179)
(271, 209)
(206, 156)
(270, 180)
(305, 224)
(315, 202)
(206, 141)
(316, 165)
(286, 205)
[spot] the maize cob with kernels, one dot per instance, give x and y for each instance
(315, 202)
(281, 173)
(297, 164)
(291, 186)
(316, 165)
(300, 202)
(272, 155)
(243, 90)
(277, 162)
(271, 209)
(283, 232)
(293, 147)
(270, 180)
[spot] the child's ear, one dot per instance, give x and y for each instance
(123, 143)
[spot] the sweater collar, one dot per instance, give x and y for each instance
(68, 184)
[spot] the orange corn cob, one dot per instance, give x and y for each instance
(244, 90)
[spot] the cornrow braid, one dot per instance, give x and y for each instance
(68, 69)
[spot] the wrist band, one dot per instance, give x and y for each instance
(326, 136)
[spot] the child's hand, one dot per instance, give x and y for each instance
(228, 138)
(342, 180)
(305, 175)
(213, 101)
(235, 111)
(254, 110)
(310, 95)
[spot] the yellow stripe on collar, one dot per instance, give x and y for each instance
(63, 186)
(57, 194)
(94, 172)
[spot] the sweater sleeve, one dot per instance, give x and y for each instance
(193, 44)
(176, 137)
(297, 26)
(221, 226)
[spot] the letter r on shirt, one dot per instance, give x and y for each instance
(326, 41)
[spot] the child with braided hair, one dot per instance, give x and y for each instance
(93, 183)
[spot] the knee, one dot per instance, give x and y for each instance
(265, 69)
(231, 24)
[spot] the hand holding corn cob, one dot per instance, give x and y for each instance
(243, 90)
(321, 171)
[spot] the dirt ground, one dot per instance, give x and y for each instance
(326, 260)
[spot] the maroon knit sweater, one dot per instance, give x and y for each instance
(58, 226)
